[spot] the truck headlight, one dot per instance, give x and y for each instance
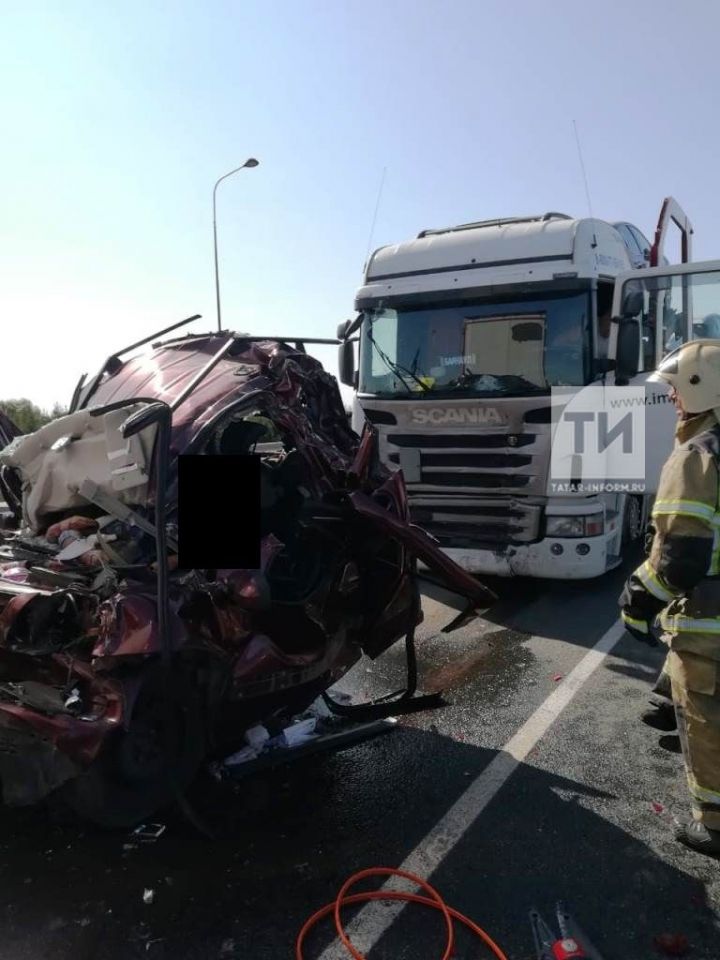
(577, 526)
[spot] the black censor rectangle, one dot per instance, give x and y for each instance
(218, 511)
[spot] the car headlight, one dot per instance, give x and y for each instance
(588, 526)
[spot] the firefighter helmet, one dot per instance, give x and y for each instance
(693, 369)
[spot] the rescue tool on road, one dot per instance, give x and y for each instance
(570, 944)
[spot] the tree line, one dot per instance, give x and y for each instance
(28, 416)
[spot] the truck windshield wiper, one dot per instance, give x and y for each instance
(396, 368)
(515, 380)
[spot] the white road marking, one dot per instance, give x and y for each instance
(374, 919)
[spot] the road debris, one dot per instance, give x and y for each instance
(148, 895)
(317, 728)
(256, 736)
(672, 944)
(299, 732)
(149, 832)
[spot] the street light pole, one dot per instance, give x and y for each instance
(251, 162)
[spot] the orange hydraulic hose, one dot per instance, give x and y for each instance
(434, 900)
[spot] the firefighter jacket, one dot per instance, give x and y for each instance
(680, 579)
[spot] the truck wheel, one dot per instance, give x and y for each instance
(633, 526)
(145, 767)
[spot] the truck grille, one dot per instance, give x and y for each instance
(496, 461)
(474, 489)
(471, 477)
(461, 440)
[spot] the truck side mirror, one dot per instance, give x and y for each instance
(603, 365)
(342, 329)
(632, 304)
(627, 360)
(346, 363)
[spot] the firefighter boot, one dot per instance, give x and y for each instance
(696, 835)
(660, 715)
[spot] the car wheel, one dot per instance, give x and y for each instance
(149, 765)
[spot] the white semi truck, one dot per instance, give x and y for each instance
(465, 335)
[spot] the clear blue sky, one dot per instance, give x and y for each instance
(118, 117)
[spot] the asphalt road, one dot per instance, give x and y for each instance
(584, 817)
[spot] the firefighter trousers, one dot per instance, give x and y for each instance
(696, 692)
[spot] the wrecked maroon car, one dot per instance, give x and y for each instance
(122, 673)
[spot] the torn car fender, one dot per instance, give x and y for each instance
(130, 628)
(421, 545)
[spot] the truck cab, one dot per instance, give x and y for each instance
(466, 334)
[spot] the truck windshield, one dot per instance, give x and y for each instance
(476, 348)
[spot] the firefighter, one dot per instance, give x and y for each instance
(680, 580)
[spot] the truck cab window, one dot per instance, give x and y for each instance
(674, 308)
(642, 242)
(474, 348)
(708, 327)
(604, 318)
(633, 247)
(673, 332)
(647, 333)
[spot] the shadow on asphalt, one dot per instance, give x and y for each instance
(644, 672)
(574, 611)
(285, 843)
(539, 843)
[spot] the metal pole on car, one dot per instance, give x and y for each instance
(251, 162)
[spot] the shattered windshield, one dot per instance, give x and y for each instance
(476, 348)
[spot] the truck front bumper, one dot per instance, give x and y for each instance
(554, 558)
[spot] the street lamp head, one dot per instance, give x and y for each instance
(252, 162)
